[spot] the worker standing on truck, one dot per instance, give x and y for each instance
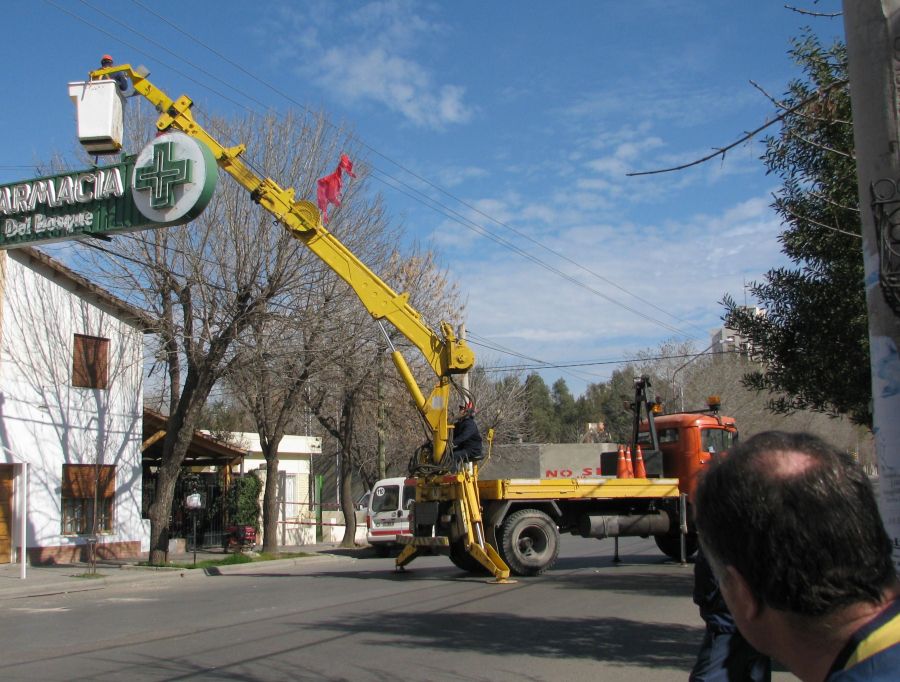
(466, 436)
(792, 531)
(725, 656)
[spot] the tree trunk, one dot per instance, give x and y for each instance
(175, 446)
(349, 539)
(270, 500)
(347, 418)
(160, 511)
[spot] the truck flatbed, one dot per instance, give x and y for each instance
(577, 488)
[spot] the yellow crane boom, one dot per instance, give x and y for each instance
(445, 353)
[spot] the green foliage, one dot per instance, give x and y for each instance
(243, 501)
(555, 416)
(813, 339)
(617, 391)
(568, 422)
(542, 426)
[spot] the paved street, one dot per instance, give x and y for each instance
(350, 617)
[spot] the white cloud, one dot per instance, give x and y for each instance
(680, 269)
(451, 176)
(380, 66)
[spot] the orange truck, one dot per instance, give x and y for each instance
(689, 440)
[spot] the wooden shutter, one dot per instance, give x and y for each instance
(78, 480)
(90, 363)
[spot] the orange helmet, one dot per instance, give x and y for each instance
(106, 58)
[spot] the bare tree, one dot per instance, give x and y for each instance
(500, 404)
(345, 398)
(209, 282)
(274, 365)
(703, 375)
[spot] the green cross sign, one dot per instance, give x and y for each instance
(162, 175)
(146, 191)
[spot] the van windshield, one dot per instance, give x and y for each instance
(409, 495)
(385, 498)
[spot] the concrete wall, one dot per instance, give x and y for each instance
(551, 460)
(333, 527)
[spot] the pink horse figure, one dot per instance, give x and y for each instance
(329, 187)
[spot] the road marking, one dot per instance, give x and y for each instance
(58, 609)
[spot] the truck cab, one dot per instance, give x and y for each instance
(387, 516)
(688, 441)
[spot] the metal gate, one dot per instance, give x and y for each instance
(210, 518)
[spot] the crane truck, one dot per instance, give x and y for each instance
(483, 526)
(524, 517)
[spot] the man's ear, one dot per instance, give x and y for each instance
(739, 597)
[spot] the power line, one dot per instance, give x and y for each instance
(417, 194)
(274, 304)
(413, 193)
(595, 363)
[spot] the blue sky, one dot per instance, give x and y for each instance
(523, 118)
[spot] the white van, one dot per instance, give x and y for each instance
(388, 513)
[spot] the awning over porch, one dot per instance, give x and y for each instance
(203, 451)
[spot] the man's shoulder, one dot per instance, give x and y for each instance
(881, 667)
(876, 647)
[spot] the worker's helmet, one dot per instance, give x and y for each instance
(467, 407)
(106, 59)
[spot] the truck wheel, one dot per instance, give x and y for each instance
(465, 561)
(670, 545)
(529, 542)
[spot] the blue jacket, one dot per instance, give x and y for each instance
(708, 597)
(873, 653)
(467, 437)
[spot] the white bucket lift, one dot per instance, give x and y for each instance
(99, 111)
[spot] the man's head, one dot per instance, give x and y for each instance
(797, 521)
(466, 409)
(106, 60)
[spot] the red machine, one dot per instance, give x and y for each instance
(239, 538)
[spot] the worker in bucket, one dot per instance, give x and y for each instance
(106, 61)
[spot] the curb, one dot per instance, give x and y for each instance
(114, 574)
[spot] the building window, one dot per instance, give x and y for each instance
(81, 484)
(90, 363)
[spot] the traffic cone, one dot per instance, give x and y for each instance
(628, 464)
(639, 470)
(621, 467)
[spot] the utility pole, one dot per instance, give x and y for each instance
(872, 28)
(465, 377)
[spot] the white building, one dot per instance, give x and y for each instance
(71, 398)
(727, 340)
(296, 522)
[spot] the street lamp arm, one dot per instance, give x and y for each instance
(729, 339)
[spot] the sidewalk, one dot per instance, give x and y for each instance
(65, 578)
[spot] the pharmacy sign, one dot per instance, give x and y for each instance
(169, 183)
